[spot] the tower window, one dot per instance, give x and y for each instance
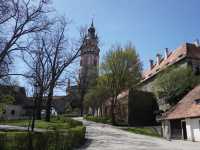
(81, 62)
(95, 62)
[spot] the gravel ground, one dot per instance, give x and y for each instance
(106, 137)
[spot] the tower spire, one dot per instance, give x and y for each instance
(92, 24)
(91, 30)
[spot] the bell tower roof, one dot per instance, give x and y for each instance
(91, 30)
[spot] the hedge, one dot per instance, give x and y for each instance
(54, 140)
(143, 130)
(105, 120)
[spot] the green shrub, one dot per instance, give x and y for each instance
(55, 123)
(105, 120)
(56, 140)
(78, 135)
(67, 133)
(144, 131)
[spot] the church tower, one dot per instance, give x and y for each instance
(89, 62)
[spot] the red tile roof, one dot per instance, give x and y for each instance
(186, 108)
(185, 50)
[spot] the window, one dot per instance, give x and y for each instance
(157, 69)
(197, 101)
(95, 62)
(12, 112)
(150, 74)
(180, 55)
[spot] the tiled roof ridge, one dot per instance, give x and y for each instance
(180, 110)
(185, 49)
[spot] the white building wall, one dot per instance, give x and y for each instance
(166, 130)
(189, 129)
(193, 129)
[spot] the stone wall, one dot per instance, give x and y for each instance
(13, 112)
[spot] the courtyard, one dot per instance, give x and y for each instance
(106, 137)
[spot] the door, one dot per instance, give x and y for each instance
(184, 130)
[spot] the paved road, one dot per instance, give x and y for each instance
(106, 137)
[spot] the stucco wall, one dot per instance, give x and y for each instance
(166, 130)
(13, 112)
(193, 129)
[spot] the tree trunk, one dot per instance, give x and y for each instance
(33, 116)
(82, 99)
(113, 111)
(39, 105)
(49, 100)
(93, 111)
(101, 111)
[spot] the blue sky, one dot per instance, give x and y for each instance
(151, 25)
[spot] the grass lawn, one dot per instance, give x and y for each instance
(144, 131)
(63, 133)
(53, 124)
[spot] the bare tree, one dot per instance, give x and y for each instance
(18, 19)
(38, 72)
(61, 53)
(51, 53)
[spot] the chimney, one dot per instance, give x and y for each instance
(151, 63)
(196, 43)
(158, 58)
(166, 53)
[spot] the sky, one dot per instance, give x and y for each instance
(151, 25)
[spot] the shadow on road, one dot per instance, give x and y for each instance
(86, 144)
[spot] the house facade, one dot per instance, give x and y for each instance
(188, 54)
(19, 109)
(183, 120)
(135, 105)
(13, 112)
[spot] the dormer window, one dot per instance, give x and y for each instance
(157, 69)
(197, 101)
(167, 63)
(150, 74)
(180, 55)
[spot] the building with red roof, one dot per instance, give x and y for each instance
(183, 120)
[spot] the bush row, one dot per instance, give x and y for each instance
(105, 120)
(55, 140)
(143, 130)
